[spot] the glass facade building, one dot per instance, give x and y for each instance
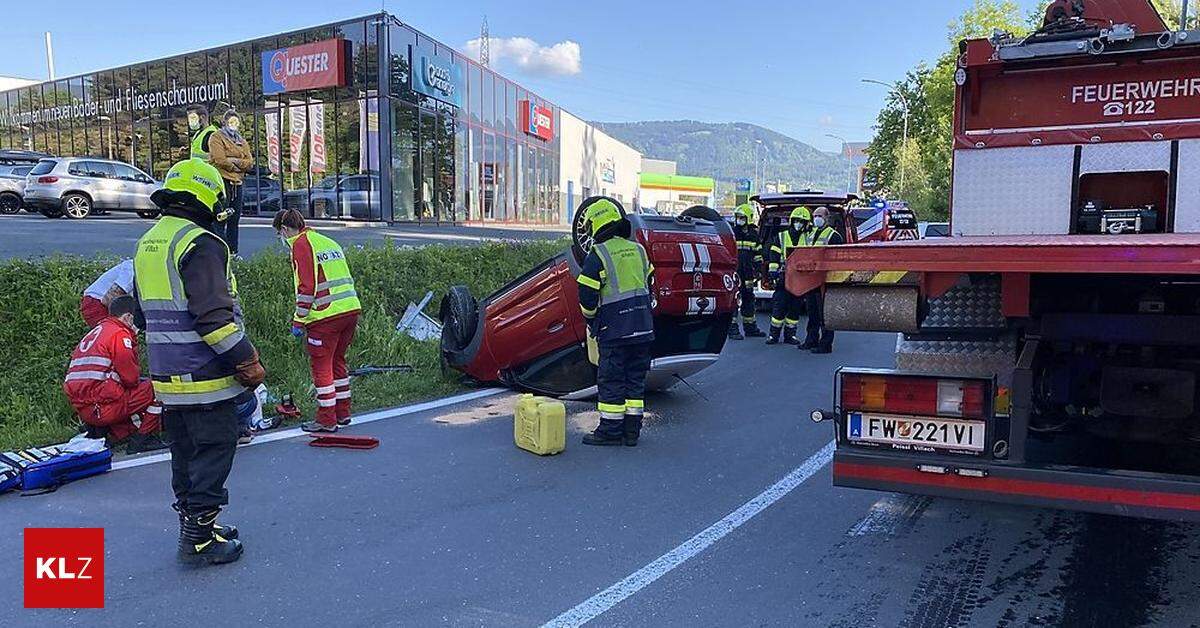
(410, 130)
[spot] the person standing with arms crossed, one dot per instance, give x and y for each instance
(327, 309)
(614, 294)
(231, 155)
(200, 357)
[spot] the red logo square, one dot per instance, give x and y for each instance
(64, 567)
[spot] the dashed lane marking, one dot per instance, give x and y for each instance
(600, 603)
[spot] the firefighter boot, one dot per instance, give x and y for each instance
(809, 344)
(734, 331)
(227, 533)
(789, 336)
(752, 330)
(633, 429)
(773, 335)
(609, 432)
(199, 544)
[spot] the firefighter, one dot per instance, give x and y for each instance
(200, 357)
(202, 130)
(614, 294)
(104, 384)
(785, 307)
(817, 339)
(745, 232)
(327, 309)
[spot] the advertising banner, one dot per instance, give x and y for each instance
(316, 157)
(440, 79)
(537, 120)
(273, 148)
(308, 66)
(298, 123)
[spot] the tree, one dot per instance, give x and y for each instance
(930, 95)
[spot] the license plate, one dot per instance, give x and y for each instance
(916, 433)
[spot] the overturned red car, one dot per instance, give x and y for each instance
(530, 334)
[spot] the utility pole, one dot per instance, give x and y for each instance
(850, 168)
(485, 46)
(49, 56)
(757, 178)
(895, 89)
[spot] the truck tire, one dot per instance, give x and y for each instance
(702, 212)
(459, 314)
(581, 237)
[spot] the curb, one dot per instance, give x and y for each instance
(370, 417)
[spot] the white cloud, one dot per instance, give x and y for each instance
(561, 59)
(825, 120)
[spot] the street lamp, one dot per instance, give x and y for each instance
(757, 179)
(850, 186)
(895, 88)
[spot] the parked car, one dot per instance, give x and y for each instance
(12, 187)
(934, 229)
(324, 200)
(78, 186)
(260, 194)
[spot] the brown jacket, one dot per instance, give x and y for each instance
(232, 159)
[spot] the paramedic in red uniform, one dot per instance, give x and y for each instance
(327, 310)
(104, 383)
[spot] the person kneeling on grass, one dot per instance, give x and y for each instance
(327, 309)
(104, 383)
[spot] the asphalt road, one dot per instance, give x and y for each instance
(448, 524)
(28, 235)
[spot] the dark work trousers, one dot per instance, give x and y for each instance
(814, 302)
(785, 308)
(229, 228)
(203, 439)
(621, 375)
(747, 294)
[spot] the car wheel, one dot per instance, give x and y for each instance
(9, 203)
(148, 214)
(76, 206)
(702, 212)
(581, 237)
(460, 314)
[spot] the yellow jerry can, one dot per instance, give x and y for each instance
(540, 425)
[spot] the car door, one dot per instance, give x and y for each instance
(136, 187)
(99, 180)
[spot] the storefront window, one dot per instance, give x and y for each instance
(404, 160)
(474, 93)
(402, 40)
(461, 179)
(488, 99)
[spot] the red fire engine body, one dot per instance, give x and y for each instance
(1048, 352)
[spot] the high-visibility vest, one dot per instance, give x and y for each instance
(334, 293)
(198, 151)
(625, 307)
(817, 237)
(185, 367)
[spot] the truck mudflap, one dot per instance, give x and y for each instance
(1134, 494)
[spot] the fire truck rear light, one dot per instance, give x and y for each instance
(920, 396)
(971, 473)
(931, 468)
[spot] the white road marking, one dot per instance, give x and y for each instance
(370, 417)
(603, 601)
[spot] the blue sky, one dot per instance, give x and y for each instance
(790, 65)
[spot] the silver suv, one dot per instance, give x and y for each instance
(79, 186)
(12, 186)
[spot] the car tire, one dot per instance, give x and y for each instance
(77, 206)
(9, 203)
(581, 238)
(148, 214)
(702, 212)
(460, 315)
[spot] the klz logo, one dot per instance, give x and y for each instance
(64, 568)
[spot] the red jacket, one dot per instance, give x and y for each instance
(103, 365)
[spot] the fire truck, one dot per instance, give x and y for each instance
(1047, 352)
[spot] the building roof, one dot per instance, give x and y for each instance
(677, 182)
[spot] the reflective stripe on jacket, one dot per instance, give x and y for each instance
(103, 364)
(185, 364)
(321, 277)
